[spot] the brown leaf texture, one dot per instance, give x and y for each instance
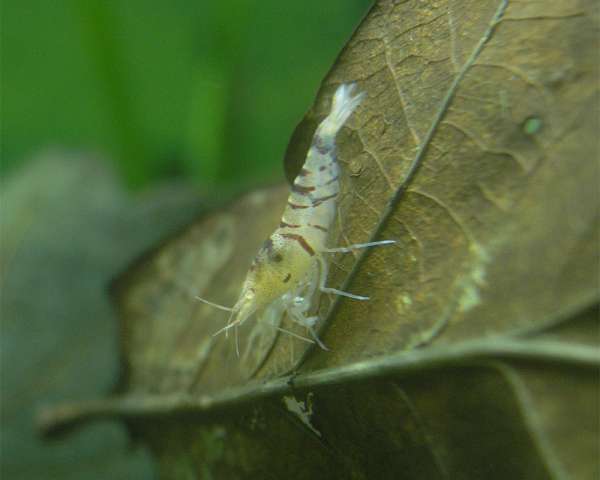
(493, 213)
(476, 150)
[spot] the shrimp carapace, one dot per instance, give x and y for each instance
(290, 265)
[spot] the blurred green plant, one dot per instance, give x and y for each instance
(207, 90)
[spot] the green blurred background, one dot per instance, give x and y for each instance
(207, 90)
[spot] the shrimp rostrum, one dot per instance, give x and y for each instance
(292, 264)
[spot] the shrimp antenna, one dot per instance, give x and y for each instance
(233, 311)
(225, 329)
(229, 324)
(212, 304)
(295, 335)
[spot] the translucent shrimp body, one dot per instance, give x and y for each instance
(290, 266)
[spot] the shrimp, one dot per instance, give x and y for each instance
(291, 264)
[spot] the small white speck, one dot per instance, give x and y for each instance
(303, 410)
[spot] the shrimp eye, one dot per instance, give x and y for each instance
(277, 257)
(287, 278)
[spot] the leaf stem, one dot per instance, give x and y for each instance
(54, 420)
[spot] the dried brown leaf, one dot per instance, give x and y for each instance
(476, 149)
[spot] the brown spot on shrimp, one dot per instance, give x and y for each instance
(318, 201)
(268, 246)
(283, 224)
(321, 146)
(301, 240)
(334, 179)
(295, 206)
(319, 227)
(302, 190)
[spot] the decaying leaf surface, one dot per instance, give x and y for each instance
(167, 335)
(487, 223)
(476, 150)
